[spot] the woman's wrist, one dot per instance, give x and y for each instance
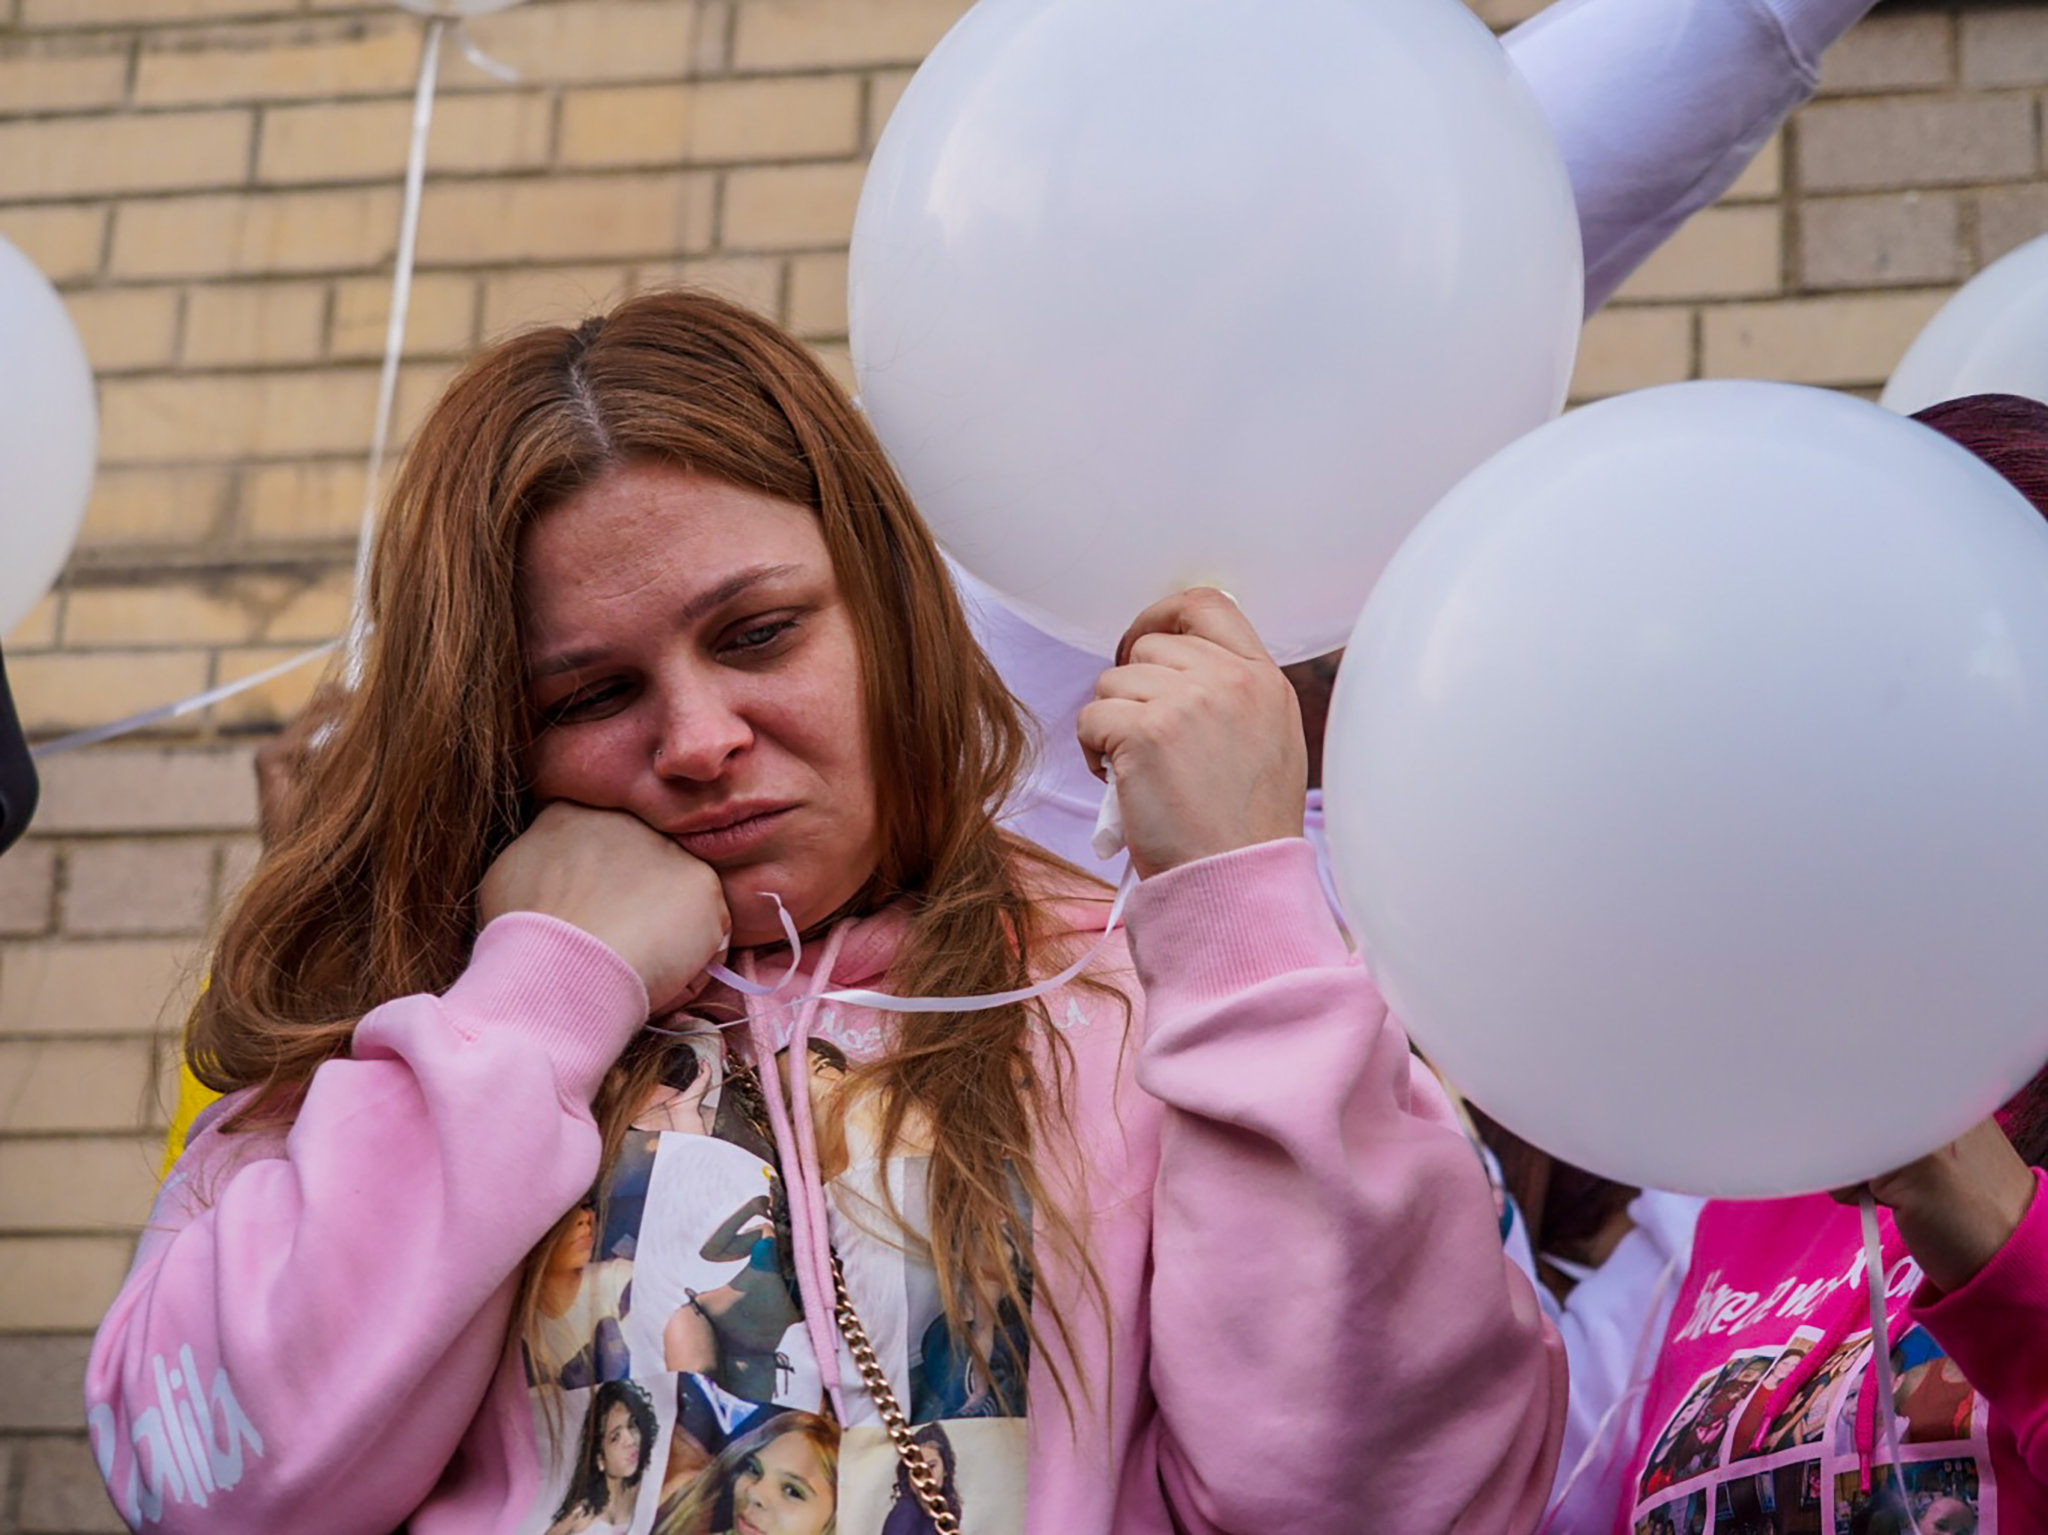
(1957, 1208)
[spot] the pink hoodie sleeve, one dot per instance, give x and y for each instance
(1996, 1329)
(313, 1319)
(1338, 1342)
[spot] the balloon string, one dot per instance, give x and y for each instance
(883, 1001)
(184, 706)
(380, 433)
(1881, 1349)
(482, 60)
(790, 935)
(394, 341)
(1108, 837)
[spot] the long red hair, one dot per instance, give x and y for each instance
(371, 893)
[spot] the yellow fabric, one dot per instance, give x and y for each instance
(193, 1095)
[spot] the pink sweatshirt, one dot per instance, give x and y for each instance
(1762, 1414)
(1311, 1326)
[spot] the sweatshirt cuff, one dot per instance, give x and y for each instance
(1983, 1324)
(568, 992)
(1211, 928)
(1811, 26)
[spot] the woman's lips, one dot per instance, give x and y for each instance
(734, 839)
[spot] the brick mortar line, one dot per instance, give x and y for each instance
(545, 175)
(350, 23)
(529, 175)
(216, 650)
(312, 367)
(677, 78)
(135, 1137)
(67, 1435)
(155, 1034)
(312, 559)
(538, 267)
(115, 565)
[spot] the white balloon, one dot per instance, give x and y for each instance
(1687, 785)
(1152, 293)
(49, 435)
(1991, 338)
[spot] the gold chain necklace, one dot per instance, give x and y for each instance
(926, 1481)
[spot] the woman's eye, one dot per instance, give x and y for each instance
(585, 704)
(759, 635)
(796, 1490)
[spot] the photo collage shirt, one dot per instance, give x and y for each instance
(1712, 1463)
(674, 1384)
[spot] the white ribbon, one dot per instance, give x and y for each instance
(182, 707)
(401, 304)
(387, 394)
(1881, 1350)
(882, 1001)
(394, 341)
(1108, 837)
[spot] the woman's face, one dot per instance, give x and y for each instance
(782, 1489)
(618, 1450)
(574, 1250)
(689, 660)
(1781, 1370)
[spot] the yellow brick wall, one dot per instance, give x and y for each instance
(214, 185)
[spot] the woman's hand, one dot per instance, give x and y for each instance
(1203, 731)
(622, 882)
(1957, 1207)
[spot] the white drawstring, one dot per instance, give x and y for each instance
(882, 1001)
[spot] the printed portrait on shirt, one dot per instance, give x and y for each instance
(683, 1302)
(1751, 1419)
(778, 1476)
(971, 1365)
(1804, 1417)
(687, 1099)
(1932, 1401)
(586, 1289)
(1683, 1516)
(713, 1288)
(1936, 1402)
(598, 1457)
(1691, 1442)
(979, 1464)
(584, 1293)
(1939, 1497)
(1781, 1502)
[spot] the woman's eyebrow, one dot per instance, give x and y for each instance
(732, 586)
(704, 602)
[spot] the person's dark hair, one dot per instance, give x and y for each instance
(587, 1490)
(2010, 433)
(906, 1515)
(18, 787)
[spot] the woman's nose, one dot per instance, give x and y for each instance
(700, 734)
